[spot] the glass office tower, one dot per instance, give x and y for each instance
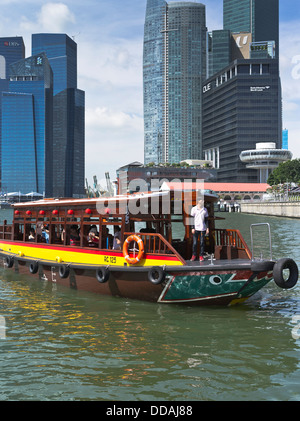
(260, 17)
(61, 51)
(12, 49)
(285, 139)
(174, 70)
(27, 127)
(153, 76)
(68, 111)
(241, 107)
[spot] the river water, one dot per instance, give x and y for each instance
(61, 344)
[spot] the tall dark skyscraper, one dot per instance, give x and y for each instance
(241, 107)
(42, 116)
(61, 52)
(174, 67)
(26, 147)
(242, 102)
(259, 17)
(12, 49)
(68, 113)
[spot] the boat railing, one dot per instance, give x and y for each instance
(155, 243)
(231, 239)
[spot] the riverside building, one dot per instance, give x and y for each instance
(26, 147)
(42, 145)
(258, 17)
(12, 49)
(174, 68)
(241, 107)
(242, 102)
(68, 114)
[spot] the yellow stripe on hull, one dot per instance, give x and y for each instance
(81, 256)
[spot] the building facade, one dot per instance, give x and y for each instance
(285, 139)
(241, 107)
(26, 146)
(68, 114)
(261, 18)
(174, 68)
(242, 102)
(138, 177)
(12, 49)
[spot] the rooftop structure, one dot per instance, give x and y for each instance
(265, 158)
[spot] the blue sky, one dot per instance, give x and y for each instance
(109, 34)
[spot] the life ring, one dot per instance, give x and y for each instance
(64, 271)
(156, 275)
(9, 261)
(137, 239)
(102, 274)
(33, 267)
(278, 274)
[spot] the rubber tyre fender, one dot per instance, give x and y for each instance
(278, 269)
(33, 267)
(156, 275)
(64, 271)
(102, 274)
(9, 261)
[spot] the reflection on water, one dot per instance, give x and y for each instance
(68, 345)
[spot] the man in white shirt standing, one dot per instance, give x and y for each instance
(200, 215)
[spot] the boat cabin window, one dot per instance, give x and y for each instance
(91, 235)
(30, 232)
(18, 232)
(57, 234)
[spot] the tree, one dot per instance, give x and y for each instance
(286, 172)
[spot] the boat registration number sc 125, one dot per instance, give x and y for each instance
(110, 259)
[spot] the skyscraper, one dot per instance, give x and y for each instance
(174, 68)
(259, 17)
(68, 113)
(285, 139)
(242, 97)
(12, 49)
(61, 52)
(26, 147)
(241, 107)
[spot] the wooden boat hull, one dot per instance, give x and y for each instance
(221, 283)
(53, 240)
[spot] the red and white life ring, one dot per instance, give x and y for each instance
(139, 241)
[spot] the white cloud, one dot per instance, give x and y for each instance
(104, 117)
(52, 17)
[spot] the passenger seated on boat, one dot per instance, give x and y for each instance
(107, 239)
(74, 236)
(31, 236)
(93, 237)
(45, 233)
(117, 238)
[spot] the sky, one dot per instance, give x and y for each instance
(109, 37)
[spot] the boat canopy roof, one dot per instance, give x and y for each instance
(122, 199)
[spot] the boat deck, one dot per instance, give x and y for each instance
(226, 264)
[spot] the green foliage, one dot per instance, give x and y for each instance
(286, 172)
